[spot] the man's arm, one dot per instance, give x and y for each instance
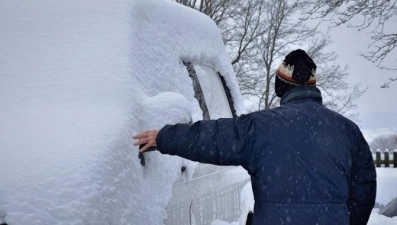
(362, 191)
(219, 142)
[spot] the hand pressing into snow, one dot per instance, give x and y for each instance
(146, 138)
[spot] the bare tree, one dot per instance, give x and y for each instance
(384, 142)
(272, 46)
(376, 15)
(239, 21)
(217, 10)
(258, 35)
(332, 78)
(282, 34)
(386, 85)
(240, 34)
(395, 139)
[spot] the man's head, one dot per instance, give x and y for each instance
(297, 69)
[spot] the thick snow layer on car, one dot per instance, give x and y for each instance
(77, 80)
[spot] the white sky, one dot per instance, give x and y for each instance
(377, 108)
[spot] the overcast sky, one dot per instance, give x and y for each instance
(378, 106)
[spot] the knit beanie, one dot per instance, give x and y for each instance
(297, 69)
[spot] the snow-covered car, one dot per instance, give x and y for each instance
(77, 81)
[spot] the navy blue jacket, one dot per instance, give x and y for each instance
(308, 164)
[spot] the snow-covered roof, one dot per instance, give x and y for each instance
(178, 33)
(77, 80)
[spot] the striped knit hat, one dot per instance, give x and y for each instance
(297, 69)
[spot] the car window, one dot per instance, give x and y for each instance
(211, 91)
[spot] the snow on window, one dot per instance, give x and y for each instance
(211, 91)
(214, 92)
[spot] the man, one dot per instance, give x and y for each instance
(308, 164)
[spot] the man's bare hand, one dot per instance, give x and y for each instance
(146, 138)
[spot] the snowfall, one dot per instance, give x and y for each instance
(78, 79)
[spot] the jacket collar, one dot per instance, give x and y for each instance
(300, 93)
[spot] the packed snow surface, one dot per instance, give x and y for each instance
(386, 186)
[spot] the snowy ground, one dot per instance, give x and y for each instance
(387, 190)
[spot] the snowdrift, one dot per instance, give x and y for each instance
(77, 80)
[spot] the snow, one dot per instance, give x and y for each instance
(208, 195)
(386, 192)
(386, 186)
(247, 202)
(220, 222)
(77, 80)
(377, 219)
(210, 87)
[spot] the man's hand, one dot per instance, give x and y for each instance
(146, 138)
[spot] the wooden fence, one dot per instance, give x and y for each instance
(385, 159)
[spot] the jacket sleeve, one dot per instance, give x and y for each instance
(362, 191)
(219, 142)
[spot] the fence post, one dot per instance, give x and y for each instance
(377, 160)
(386, 158)
(395, 158)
